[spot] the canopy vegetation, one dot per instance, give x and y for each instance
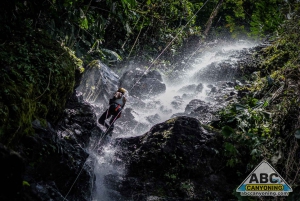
(117, 30)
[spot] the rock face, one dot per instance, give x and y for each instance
(175, 160)
(226, 70)
(98, 82)
(50, 161)
(145, 85)
(11, 174)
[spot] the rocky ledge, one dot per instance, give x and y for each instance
(45, 165)
(176, 160)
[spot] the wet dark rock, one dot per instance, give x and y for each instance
(55, 155)
(176, 160)
(199, 87)
(145, 85)
(229, 70)
(193, 104)
(243, 92)
(98, 82)
(154, 119)
(165, 110)
(127, 122)
(178, 98)
(216, 72)
(230, 84)
(135, 102)
(237, 83)
(46, 191)
(180, 114)
(11, 174)
(153, 105)
(229, 98)
(203, 111)
(80, 118)
(176, 104)
(188, 88)
(187, 96)
(232, 93)
(213, 90)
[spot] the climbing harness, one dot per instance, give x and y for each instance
(118, 107)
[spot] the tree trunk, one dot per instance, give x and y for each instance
(212, 16)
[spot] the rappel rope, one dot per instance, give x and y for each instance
(268, 100)
(96, 144)
(168, 45)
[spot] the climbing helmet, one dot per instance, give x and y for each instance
(122, 90)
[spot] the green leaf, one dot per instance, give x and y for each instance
(230, 148)
(84, 23)
(116, 55)
(25, 183)
(227, 131)
(240, 107)
(266, 103)
(254, 151)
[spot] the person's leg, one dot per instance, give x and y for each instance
(114, 119)
(103, 117)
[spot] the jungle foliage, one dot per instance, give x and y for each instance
(35, 34)
(37, 78)
(265, 123)
(114, 30)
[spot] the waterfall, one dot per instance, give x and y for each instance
(178, 94)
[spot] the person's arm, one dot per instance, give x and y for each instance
(113, 98)
(111, 101)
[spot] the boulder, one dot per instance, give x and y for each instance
(135, 102)
(176, 160)
(142, 84)
(216, 72)
(199, 88)
(54, 157)
(98, 82)
(193, 104)
(188, 89)
(126, 123)
(154, 119)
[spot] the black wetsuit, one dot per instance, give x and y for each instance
(114, 111)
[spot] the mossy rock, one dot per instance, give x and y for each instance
(98, 82)
(37, 77)
(177, 158)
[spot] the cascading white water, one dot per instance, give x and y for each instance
(161, 106)
(103, 167)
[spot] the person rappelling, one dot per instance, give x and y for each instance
(116, 104)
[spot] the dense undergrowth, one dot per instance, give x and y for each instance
(265, 124)
(37, 77)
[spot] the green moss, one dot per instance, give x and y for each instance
(25, 183)
(171, 121)
(37, 77)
